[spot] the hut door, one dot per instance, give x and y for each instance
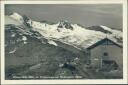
(104, 57)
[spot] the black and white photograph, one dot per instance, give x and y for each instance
(63, 41)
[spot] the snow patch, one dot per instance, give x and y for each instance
(25, 42)
(52, 43)
(35, 66)
(24, 38)
(76, 58)
(13, 51)
(13, 35)
(61, 65)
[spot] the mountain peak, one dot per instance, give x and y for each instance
(16, 16)
(65, 24)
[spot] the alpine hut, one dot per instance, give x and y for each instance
(105, 53)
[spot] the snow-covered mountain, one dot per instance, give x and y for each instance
(63, 31)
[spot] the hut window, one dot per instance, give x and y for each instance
(105, 54)
(88, 53)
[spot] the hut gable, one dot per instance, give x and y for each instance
(104, 41)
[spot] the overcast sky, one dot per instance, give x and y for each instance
(86, 15)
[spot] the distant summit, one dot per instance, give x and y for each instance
(65, 24)
(99, 28)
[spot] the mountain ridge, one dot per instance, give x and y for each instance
(68, 32)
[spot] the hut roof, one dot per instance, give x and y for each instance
(102, 41)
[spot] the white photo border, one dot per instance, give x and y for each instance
(76, 81)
